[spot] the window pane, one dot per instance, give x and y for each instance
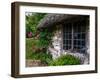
(79, 43)
(64, 42)
(70, 36)
(69, 27)
(77, 35)
(75, 27)
(69, 42)
(66, 47)
(83, 35)
(65, 36)
(69, 47)
(77, 40)
(83, 43)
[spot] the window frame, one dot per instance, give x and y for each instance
(71, 46)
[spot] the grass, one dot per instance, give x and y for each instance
(29, 44)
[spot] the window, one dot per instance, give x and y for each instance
(74, 37)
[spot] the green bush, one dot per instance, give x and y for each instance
(65, 60)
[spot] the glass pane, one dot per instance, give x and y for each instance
(64, 41)
(83, 35)
(79, 43)
(69, 27)
(75, 42)
(69, 36)
(65, 36)
(83, 43)
(69, 42)
(77, 35)
(69, 47)
(76, 27)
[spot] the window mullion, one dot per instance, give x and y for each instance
(72, 41)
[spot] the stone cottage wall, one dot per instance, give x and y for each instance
(55, 48)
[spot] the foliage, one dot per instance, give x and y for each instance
(32, 21)
(45, 38)
(42, 42)
(29, 44)
(44, 57)
(65, 60)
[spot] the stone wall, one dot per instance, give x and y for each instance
(55, 48)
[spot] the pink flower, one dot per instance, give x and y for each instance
(29, 34)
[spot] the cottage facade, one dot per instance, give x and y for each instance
(70, 37)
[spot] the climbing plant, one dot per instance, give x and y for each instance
(45, 38)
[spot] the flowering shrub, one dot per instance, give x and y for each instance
(29, 34)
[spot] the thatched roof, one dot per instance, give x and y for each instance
(51, 19)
